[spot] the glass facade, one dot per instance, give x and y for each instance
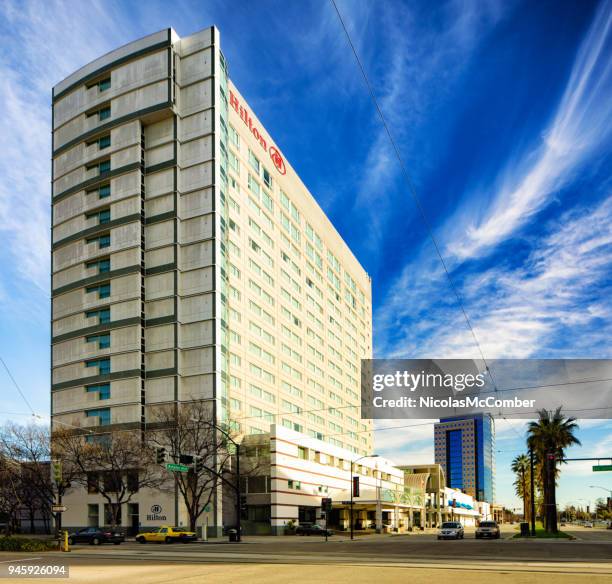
(465, 448)
(454, 459)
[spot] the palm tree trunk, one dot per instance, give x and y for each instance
(551, 523)
(524, 495)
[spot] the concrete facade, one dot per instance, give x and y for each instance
(190, 262)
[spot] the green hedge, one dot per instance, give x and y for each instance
(22, 544)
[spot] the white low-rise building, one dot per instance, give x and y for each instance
(293, 473)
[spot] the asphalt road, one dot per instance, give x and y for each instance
(388, 558)
(589, 534)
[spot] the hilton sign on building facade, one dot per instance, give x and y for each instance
(190, 262)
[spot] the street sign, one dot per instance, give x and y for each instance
(177, 467)
(602, 467)
(58, 508)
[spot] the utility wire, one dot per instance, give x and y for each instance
(412, 191)
(17, 386)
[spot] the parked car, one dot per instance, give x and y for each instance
(167, 534)
(95, 536)
(588, 524)
(312, 529)
(451, 530)
(488, 529)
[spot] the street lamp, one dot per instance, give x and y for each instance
(351, 485)
(603, 488)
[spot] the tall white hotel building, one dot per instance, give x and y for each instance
(190, 262)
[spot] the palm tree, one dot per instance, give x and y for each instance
(520, 467)
(549, 436)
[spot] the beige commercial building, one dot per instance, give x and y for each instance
(190, 262)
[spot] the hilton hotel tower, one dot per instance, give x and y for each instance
(190, 262)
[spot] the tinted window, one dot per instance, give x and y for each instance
(450, 525)
(488, 524)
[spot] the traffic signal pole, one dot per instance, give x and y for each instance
(238, 498)
(532, 489)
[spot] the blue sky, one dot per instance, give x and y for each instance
(502, 114)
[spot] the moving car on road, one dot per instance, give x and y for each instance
(451, 530)
(167, 534)
(488, 529)
(95, 536)
(312, 529)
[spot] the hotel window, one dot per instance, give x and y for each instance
(234, 137)
(103, 216)
(267, 178)
(254, 186)
(102, 389)
(103, 365)
(254, 161)
(234, 163)
(104, 84)
(104, 191)
(302, 453)
(102, 266)
(267, 201)
(102, 240)
(104, 142)
(103, 340)
(103, 315)
(93, 515)
(103, 415)
(104, 113)
(103, 290)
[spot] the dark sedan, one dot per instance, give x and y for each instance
(95, 536)
(310, 529)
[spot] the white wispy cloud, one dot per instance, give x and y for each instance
(579, 127)
(516, 312)
(412, 75)
(31, 64)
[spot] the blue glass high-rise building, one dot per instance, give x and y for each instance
(465, 447)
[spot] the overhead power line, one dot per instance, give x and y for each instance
(23, 397)
(412, 191)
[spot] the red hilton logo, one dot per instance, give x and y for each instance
(275, 155)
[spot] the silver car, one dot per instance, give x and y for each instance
(451, 530)
(488, 529)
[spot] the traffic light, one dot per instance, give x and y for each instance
(186, 459)
(326, 504)
(198, 464)
(355, 486)
(57, 471)
(160, 455)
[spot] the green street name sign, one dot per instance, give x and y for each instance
(602, 467)
(177, 467)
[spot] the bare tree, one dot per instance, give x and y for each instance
(10, 500)
(29, 448)
(116, 466)
(188, 429)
